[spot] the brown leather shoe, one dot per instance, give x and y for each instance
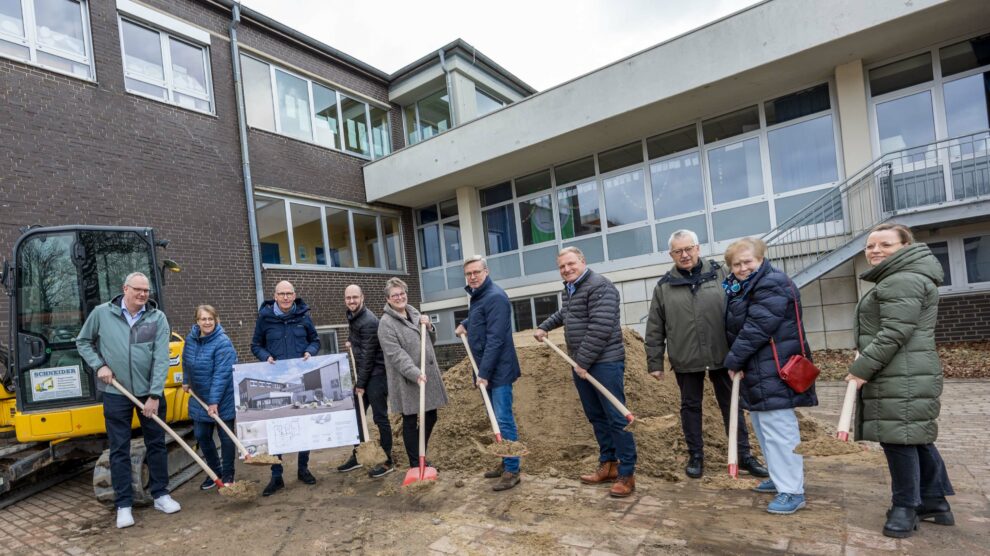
(623, 486)
(607, 471)
(507, 481)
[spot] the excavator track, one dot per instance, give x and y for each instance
(181, 468)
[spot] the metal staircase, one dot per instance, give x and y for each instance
(946, 182)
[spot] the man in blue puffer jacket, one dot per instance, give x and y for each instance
(284, 330)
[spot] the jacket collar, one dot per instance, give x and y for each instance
(411, 311)
(581, 279)
(267, 309)
(194, 334)
(705, 271)
(354, 316)
(116, 301)
(481, 289)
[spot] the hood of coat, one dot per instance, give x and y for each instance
(194, 336)
(267, 309)
(413, 319)
(115, 302)
(916, 258)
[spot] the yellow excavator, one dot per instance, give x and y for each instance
(51, 413)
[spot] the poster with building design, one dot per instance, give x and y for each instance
(294, 405)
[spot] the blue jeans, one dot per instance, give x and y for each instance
(204, 436)
(303, 464)
(778, 434)
(117, 414)
(502, 405)
(917, 472)
(609, 424)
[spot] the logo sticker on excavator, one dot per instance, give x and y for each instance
(56, 383)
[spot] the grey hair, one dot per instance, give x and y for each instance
(476, 259)
(571, 249)
(127, 281)
(679, 234)
(395, 283)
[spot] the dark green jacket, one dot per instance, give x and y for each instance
(687, 321)
(895, 335)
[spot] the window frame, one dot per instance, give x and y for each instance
(415, 105)
(440, 222)
(955, 241)
(532, 308)
(30, 41)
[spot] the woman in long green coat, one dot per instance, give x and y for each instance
(899, 375)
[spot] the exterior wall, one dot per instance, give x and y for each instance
(963, 318)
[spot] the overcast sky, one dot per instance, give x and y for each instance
(543, 42)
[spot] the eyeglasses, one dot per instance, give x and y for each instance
(473, 273)
(206, 319)
(679, 252)
(285, 294)
(882, 245)
(398, 295)
(145, 291)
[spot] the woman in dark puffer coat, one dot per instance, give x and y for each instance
(208, 360)
(761, 304)
(899, 375)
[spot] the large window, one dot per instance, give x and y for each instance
(440, 253)
(53, 34)
(486, 102)
(427, 117)
(282, 102)
(165, 67)
(529, 312)
(965, 261)
(309, 234)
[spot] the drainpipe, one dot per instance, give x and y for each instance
(450, 89)
(235, 58)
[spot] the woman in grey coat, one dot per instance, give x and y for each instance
(399, 336)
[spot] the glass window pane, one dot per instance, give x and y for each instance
(965, 55)
(594, 251)
(427, 214)
(803, 155)
(366, 238)
(578, 206)
(540, 260)
(429, 247)
(63, 64)
(795, 105)
(455, 277)
(620, 158)
(496, 194)
(188, 68)
(977, 251)
(825, 210)
(452, 241)
(506, 266)
(144, 88)
(941, 251)
(545, 306)
(17, 51)
(624, 201)
(629, 243)
(522, 315)
(741, 221)
(60, 26)
(677, 186)
(500, 230)
(914, 70)
(735, 171)
(257, 81)
(574, 171)
(393, 243)
(325, 110)
(672, 142)
(532, 183)
(966, 104)
(433, 281)
(485, 102)
(448, 208)
(536, 216)
(273, 232)
(307, 233)
(731, 124)
(381, 136)
(293, 106)
(11, 18)
(355, 126)
(142, 52)
(412, 130)
(434, 114)
(339, 236)
(187, 101)
(696, 224)
(906, 122)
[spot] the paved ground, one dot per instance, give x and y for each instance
(352, 513)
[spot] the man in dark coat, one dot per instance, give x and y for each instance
(284, 330)
(371, 383)
(489, 331)
(590, 316)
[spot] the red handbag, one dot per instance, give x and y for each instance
(799, 372)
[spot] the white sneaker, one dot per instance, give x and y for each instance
(165, 503)
(124, 518)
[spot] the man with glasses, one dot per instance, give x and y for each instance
(687, 321)
(284, 330)
(489, 331)
(127, 339)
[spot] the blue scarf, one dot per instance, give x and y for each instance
(734, 287)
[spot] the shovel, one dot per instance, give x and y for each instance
(734, 428)
(423, 473)
(488, 402)
(367, 453)
(248, 458)
(598, 385)
(845, 416)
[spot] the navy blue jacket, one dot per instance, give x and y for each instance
(489, 332)
(765, 309)
(208, 368)
(285, 336)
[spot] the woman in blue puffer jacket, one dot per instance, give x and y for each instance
(208, 364)
(762, 305)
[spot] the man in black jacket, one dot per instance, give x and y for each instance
(371, 382)
(590, 316)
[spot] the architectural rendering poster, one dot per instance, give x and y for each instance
(295, 405)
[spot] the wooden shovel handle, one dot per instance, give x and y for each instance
(226, 429)
(170, 432)
(734, 427)
(364, 418)
(484, 393)
(845, 416)
(615, 401)
(422, 396)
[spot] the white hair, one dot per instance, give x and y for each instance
(127, 281)
(476, 259)
(680, 234)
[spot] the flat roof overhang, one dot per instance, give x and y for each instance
(765, 50)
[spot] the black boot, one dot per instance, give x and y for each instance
(901, 522)
(936, 510)
(695, 467)
(274, 485)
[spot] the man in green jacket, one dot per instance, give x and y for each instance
(127, 339)
(687, 321)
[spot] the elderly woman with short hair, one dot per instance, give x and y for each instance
(399, 336)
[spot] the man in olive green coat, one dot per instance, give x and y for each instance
(687, 320)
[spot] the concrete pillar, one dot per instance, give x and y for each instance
(465, 106)
(469, 214)
(854, 122)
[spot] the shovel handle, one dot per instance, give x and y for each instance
(171, 433)
(364, 418)
(845, 416)
(422, 400)
(615, 401)
(226, 429)
(734, 427)
(484, 393)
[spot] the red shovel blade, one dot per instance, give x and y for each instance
(843, 436)
(734, 470)
(421, 473)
